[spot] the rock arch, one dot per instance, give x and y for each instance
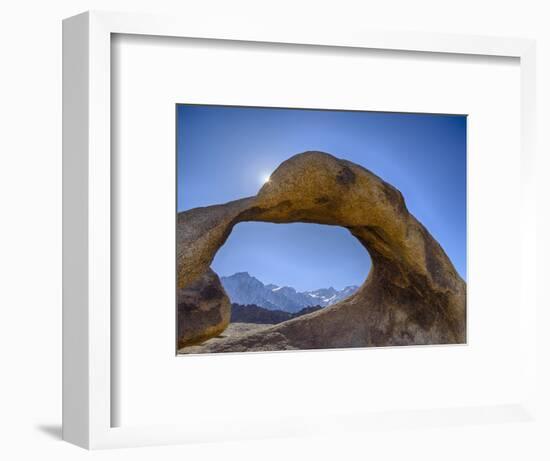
(412, 295)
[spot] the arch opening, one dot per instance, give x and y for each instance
(274, 272)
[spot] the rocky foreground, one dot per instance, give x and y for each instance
(233, 331)
(412, 295)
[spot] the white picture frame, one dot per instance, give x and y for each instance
(88, 363)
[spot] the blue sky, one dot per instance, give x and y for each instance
(224, 153)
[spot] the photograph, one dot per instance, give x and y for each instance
(302, 229)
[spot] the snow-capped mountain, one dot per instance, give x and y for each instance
(328, 296)
(242, 288)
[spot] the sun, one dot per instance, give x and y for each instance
(265, 178)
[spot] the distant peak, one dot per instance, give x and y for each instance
(241, 276)
(237, 275)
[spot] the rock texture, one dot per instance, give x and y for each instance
(204, 310)
(412, 295)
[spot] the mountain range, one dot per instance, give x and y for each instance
(242, 288)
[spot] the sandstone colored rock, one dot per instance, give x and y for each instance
(204, 310)
(412, 295)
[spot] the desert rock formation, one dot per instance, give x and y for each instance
(412, 295)
(204, 310)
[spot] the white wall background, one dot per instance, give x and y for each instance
(30, 230)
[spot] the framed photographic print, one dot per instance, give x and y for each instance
(308, 215)
(323, 299)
